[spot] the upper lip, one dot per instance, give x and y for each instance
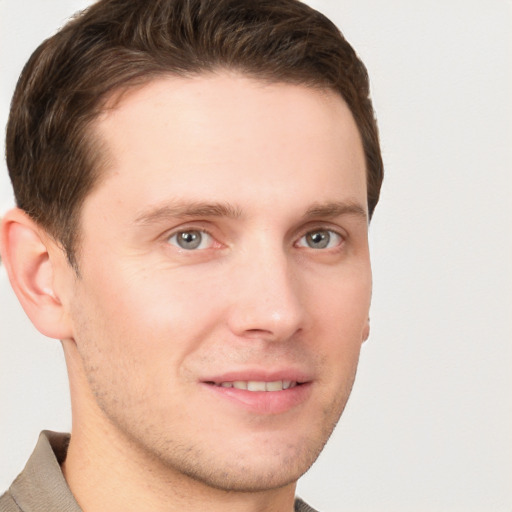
(259, 375)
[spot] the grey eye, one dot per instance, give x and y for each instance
(191, 240)
(320, 239)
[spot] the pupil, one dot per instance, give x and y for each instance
(189, 239)
(319, 239)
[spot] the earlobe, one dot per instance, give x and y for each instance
(30, 266)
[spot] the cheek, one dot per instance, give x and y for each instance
(343, 305)
(340, 322)
(145, 319)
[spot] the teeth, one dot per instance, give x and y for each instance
(255, 385)
(277, 385)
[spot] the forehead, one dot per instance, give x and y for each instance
(210, 130)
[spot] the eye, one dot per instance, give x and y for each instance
(191, 240)
(320, 239)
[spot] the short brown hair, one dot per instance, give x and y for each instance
(52, 157)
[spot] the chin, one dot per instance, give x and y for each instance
(260, 465)
(235, 477)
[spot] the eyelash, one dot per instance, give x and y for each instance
(202, 232)
(339, 238)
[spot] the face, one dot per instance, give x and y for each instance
(224, 276)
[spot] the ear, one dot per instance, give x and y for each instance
(31, 257)
(366, 330)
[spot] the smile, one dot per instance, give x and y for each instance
(259, 396)
(255, 385)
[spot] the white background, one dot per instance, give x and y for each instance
(429, 424)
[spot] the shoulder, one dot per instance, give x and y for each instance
(7, 503)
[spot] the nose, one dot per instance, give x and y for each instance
(266, 296)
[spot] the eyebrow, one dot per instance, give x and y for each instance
(185, 210)
(336, 209)
(162, 213)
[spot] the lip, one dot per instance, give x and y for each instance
(261, 402)
(292, 374)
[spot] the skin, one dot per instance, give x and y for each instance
(260, 173)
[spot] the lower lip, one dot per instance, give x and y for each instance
(264, 402)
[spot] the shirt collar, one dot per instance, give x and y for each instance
(41, 485)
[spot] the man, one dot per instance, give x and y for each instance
(194, 181)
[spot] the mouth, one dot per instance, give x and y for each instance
(270, 396)
(257, 385)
